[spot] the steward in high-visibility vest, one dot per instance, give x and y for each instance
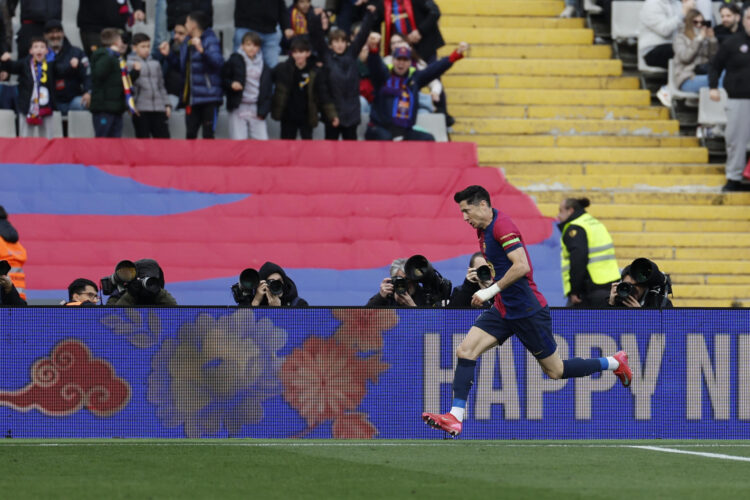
(587, 260)
(12, 251)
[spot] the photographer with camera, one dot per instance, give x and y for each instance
(8, 294)
(273, 288)
(14, 253)
(397, 291)
(139, 283)
(587, 259)
(478, 276)
(642, 285)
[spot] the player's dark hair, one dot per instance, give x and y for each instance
(577, 203)
(474, 257)
(200, 18)
(473, 195)
(78, 286)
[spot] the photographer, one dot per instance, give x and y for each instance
(397, 291)
(8, 294)
(642, 285)
(82, 292)
(478, 276)
(276, 289)
(146, 289)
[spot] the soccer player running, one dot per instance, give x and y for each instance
(519, 308)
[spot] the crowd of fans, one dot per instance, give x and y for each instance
(333, 72)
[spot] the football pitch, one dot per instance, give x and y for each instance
(373, 469)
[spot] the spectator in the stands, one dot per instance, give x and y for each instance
(659, 22)
(109, 99)
(82, 292)
(366, 88)
(36, 80)
(734, 58)
(170, 66)
(342, 73)
(573, 8)
(427, 102)
(34, 15)
(346, 12)
(301, 91)
(201, 62)
(265, 17)
(249, 86)
(73, 82)
(178, 10)
(730, 21)
(151, 99)
(418, 21)
(694, 46)
(96, 15)
(301, 20)
(393, 112)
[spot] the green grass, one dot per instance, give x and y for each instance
(141, 469)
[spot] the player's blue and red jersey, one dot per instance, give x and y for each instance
(496, 241)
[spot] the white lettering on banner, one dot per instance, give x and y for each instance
(645, 375)
(434, 376)
(537, 384)
(716, 376)
(743, 382)
(585, 344)
(507, 395)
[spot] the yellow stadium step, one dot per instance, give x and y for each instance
(656, 197)
(686, 240)
(664, 211)
(498, 156)
(677, 302)
(545, 97)
(613, 181)
(453, 21)
(531, 67)
(560, 112)
(684, 226)
(546, 126)
(577, 141)
(515, 36)
(710, 279)
(534, 8)
(715, 253)
(458, 81)
(625, 255)
(534, 51)
(609, 169)
(727, 292)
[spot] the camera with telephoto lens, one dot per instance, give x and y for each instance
(4, 267)
(244, 290)
(645, 273)
(436, 288)
(124, 273)
(623, 291)
(400, 285)
(484, 273)
(276, 287)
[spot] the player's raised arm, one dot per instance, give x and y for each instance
(518, 270)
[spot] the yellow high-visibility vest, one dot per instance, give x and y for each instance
(602, 265)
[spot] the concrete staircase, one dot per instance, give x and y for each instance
(555, 113)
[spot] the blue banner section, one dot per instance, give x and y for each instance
(361, 373)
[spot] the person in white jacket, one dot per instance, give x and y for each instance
(659, 22)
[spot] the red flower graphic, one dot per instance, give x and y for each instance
(70, 379)
(362, 328)
(353, 426)
(324, 379)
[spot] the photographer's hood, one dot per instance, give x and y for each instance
(149, 268)
(290, 289)
(7, 231)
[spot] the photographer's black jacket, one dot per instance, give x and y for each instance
(461, 296)
(734, 57)
(11, 298)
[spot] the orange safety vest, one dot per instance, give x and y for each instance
(15, 254)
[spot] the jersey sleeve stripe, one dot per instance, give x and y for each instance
(511, 242)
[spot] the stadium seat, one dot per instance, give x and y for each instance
(80, 124)
(7, 123)
(177, 128)
(128, 130)
(624, 24)
(433, 123)
(711, 113)
(673, 89)
(57, 128)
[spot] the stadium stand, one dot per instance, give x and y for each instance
(552, 109)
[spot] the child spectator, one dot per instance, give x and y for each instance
(300, 91)
(35, 89)
(249, 86)
(150, 94)
(200, 63)
(302, 20)
(342, 76)
(393, 112)
(111, 92)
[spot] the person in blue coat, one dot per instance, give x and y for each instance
(200, 64)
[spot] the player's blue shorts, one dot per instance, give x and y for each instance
(534, 332)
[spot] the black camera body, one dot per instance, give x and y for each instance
(124, 273)
(436, 288)
(400, 285)
(623, 291)
(244, 290)
(645, 273)
(484, 273)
